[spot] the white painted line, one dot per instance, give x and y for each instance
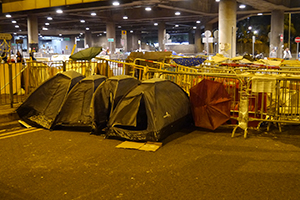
(17, 133)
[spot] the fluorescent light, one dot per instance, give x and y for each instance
(242, 6)
(15, 33)
(176, 25)
(131, 31)
(82, 21)
(93, 14)
(49, 18)
(177, 13)
(13, 21)
(155, 24)
(59, 11)
(16, 26)
(45, 29)
(60, 34)
(104, 32)
(87, 28)
(81, 33)
(194, 27)
(115, 3)
(148, 8)
(8, 15)
(259, 14)
(217, 0)
(47, 24)
(250, 27)
(198, 22)
(125, 17)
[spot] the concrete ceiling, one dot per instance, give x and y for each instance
(139, 20)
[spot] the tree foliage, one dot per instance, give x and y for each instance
(263, 25)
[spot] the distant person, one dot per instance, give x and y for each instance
(19, 57)
(4, 56)
(32, 58)
(273, 53)
(287, 54)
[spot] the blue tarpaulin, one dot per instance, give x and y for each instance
(189, 61)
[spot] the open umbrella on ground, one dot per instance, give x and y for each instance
(86, 54)
(210, 104)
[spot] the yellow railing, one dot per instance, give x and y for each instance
(249, 102)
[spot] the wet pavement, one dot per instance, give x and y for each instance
(192, 164)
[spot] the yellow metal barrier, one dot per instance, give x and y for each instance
(257, 96)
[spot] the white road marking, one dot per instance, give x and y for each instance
(18, 132)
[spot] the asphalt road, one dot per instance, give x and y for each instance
(192, 164)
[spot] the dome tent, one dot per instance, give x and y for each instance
(107, 96)
(76, 110)
(150, 112)
(44, 103)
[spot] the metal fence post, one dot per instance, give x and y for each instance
(11, 97)
(27, 78)
(64, 66)
(106, 70)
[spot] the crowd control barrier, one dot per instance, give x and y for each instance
(257, 95)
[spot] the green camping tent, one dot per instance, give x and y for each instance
(43, 105)
(108, 95)
(150, 112)
(76, 110)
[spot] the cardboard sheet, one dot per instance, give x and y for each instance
(148, 146)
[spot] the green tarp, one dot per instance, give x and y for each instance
(86, 54)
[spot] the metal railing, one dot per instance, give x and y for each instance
(262, 95)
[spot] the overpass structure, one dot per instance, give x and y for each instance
(141, 17)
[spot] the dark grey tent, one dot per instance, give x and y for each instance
(44, 103)
(76, 110)
(150, 112)
(108, 95)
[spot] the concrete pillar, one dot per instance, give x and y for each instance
(191, 37)
(88, 41)
(161, 35)
(227, 27)
(132, 40)
(72, 43)
(137, 40)
(198, 42)
(129, 41)
(33, 33)
(111, 34)
(124, 40)
(277, 28)
(209, 27)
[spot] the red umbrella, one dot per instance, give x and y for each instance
(210, 104)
